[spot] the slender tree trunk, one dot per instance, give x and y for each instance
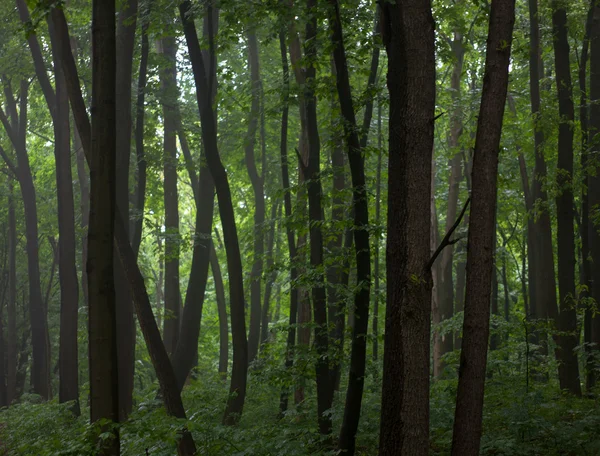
(11, 348)
(568, 371)
(347, 439)
(204, 188)
(235, 403)
(140, 194)
(272, 276)
(69, 288)
(222, 311)
(257, 181)
(594, 179)
(408, 33)
(169, 99)
(287, 202)
(480, 245)
(104, 372)
(125, 37)
(377, 238)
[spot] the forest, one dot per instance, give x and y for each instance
(299, 227)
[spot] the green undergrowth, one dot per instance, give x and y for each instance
(519, 419)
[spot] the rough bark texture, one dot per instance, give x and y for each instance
(356, 376)
(568, 370)
(102, 328)
(408, 32)
(480, 244)
(235, 402)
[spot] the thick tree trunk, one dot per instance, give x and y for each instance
(169, 100)
(257, 181)
(480, 244)
(568, 370)
(356, 377)
(408, 33)
(104, 373)
(235, 403)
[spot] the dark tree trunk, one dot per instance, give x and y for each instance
(408, 33)
(568, 370)
(235, 402)
(158, 354)
(287, 202)
(377, 239)
(356, 378)
(204, 189)
(16, 131)
(315, 214)
(140, 194)
(69, 287)
(222, 311)
(257, 181)
(11, 347)
(104, 373)
(272, 276)
(543, 265)
(594, 179)
(169, 100)
(480, 244)
(125, 36)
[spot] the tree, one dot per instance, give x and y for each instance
(481, 239)
(409, 39)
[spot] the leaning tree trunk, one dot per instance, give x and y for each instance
(408, 34)
(480, 244)
(235, 402)
(568, 370)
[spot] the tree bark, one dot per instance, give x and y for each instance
(568, 370)
(376, 295)
(11, 347)
(408, 33)
(104, 372)
(480, 244)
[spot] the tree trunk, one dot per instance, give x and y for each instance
(594, 180)
(104, 373)
(222, 310)
(272, 276)
(257, 181)
(408, 33)
(235, 402)
(11, 348)
(356, 378)
(69, 287)
(377, 238)
(169, 99)
(480, 244)
(568, 370)
(125, 37)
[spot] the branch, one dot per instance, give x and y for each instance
(8, 161)
(447, 241)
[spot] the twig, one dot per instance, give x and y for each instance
(446, 241)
